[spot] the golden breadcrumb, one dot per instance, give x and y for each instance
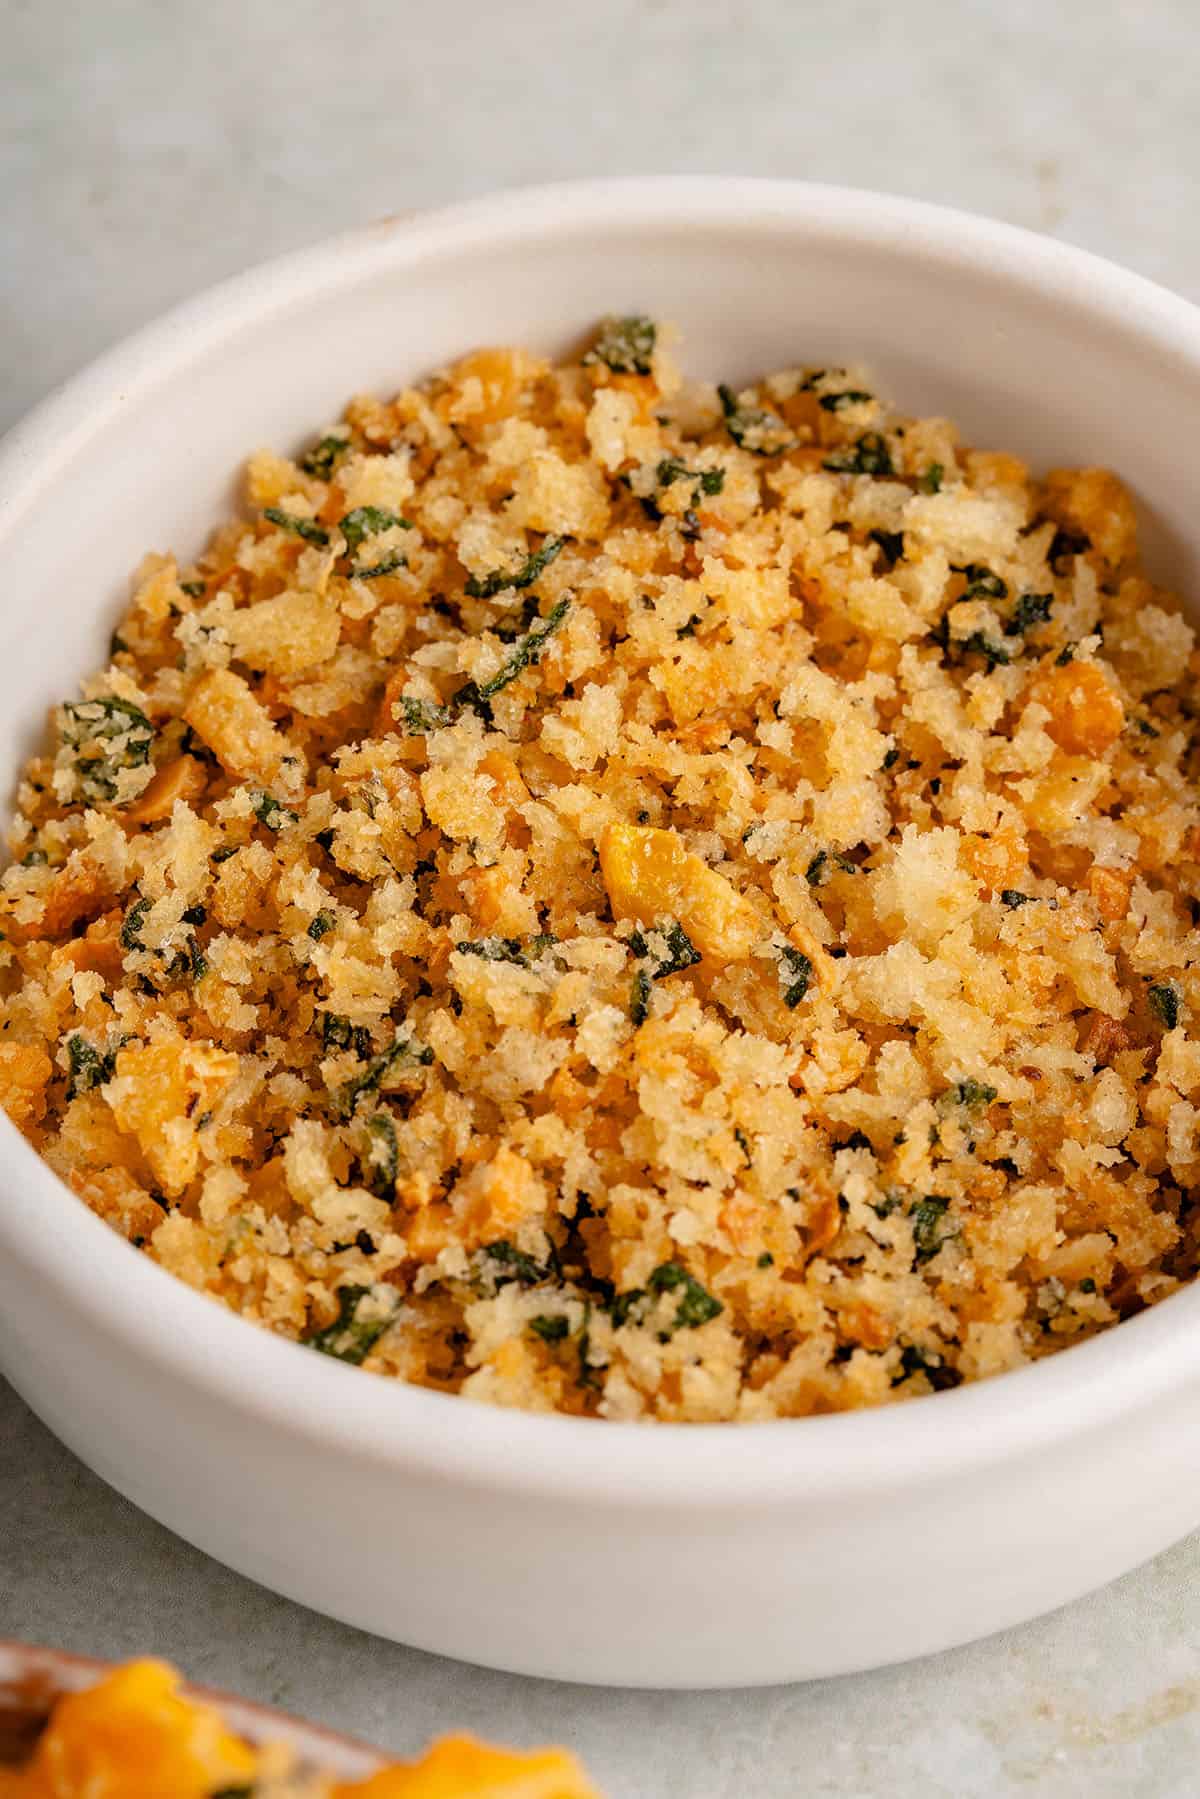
(613, 896)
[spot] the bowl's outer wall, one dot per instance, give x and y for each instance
(776, 1585)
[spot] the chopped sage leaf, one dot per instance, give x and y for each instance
(324, 456)
(1164, 1003)
(364, 1313)
(270, 812)
(550, 1328)
(851, 396)
(307, 528)
(795, 974)
(928, 1218)
(525, 653)
(625, 345)
(104, 737)
(868, 455)
(367, 521)
(423, 716)
(134, 920)
(681, 952)
(696, 1304)
(383, 1155)
(88, 1068)
(403, 1050)
(486, 587)
(755, 428)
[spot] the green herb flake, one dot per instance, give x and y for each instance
(321, 925)
(868, 455)
(795, 975)
(639, 999)
(708, 481)
(890, 542)
(324, 456)
(494, 949)
(363, 1316)
(983, 583)
(974, 1095)
(850, 396)
(382, 1164)
(270, 812)
(1012, 897)
(135, 918)
(928, 1217)
(1087, 1284)
(505, 1262)
(624, 345)
(500, 580)
(696, 1304)
(755, 428)
(403, 1050)
(914, 1360)
(587, 1376)
(104, 737)
(681, 952)
(931, 480)
(307, 528)
(1031, 609)
(551, 1328)
(765, 1260)
(822, 863)
(525, 654)
(368, 521)
(980, 644)
(193, 589)
(423, 716)
(1164, 999)
(338, 1033)
(88, 1068)
(388, 566)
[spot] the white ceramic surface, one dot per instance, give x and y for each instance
(701, 1555)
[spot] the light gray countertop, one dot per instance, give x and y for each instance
(148, 147)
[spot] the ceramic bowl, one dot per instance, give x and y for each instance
(655, 1555)
(32, 1679)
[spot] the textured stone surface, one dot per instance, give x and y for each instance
(148, 147)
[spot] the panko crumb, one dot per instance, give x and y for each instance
(619, 897)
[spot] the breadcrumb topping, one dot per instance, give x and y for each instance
(615, 896)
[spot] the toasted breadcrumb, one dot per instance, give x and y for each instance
(614, 897)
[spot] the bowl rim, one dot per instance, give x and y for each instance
(379, 1419)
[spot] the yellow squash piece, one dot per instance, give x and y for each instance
(133, 1736)
(136, 1736)
(651, 876)
(461, 1768)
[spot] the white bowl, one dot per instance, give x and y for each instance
(671, 1555)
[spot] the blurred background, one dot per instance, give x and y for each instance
(150, 147)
